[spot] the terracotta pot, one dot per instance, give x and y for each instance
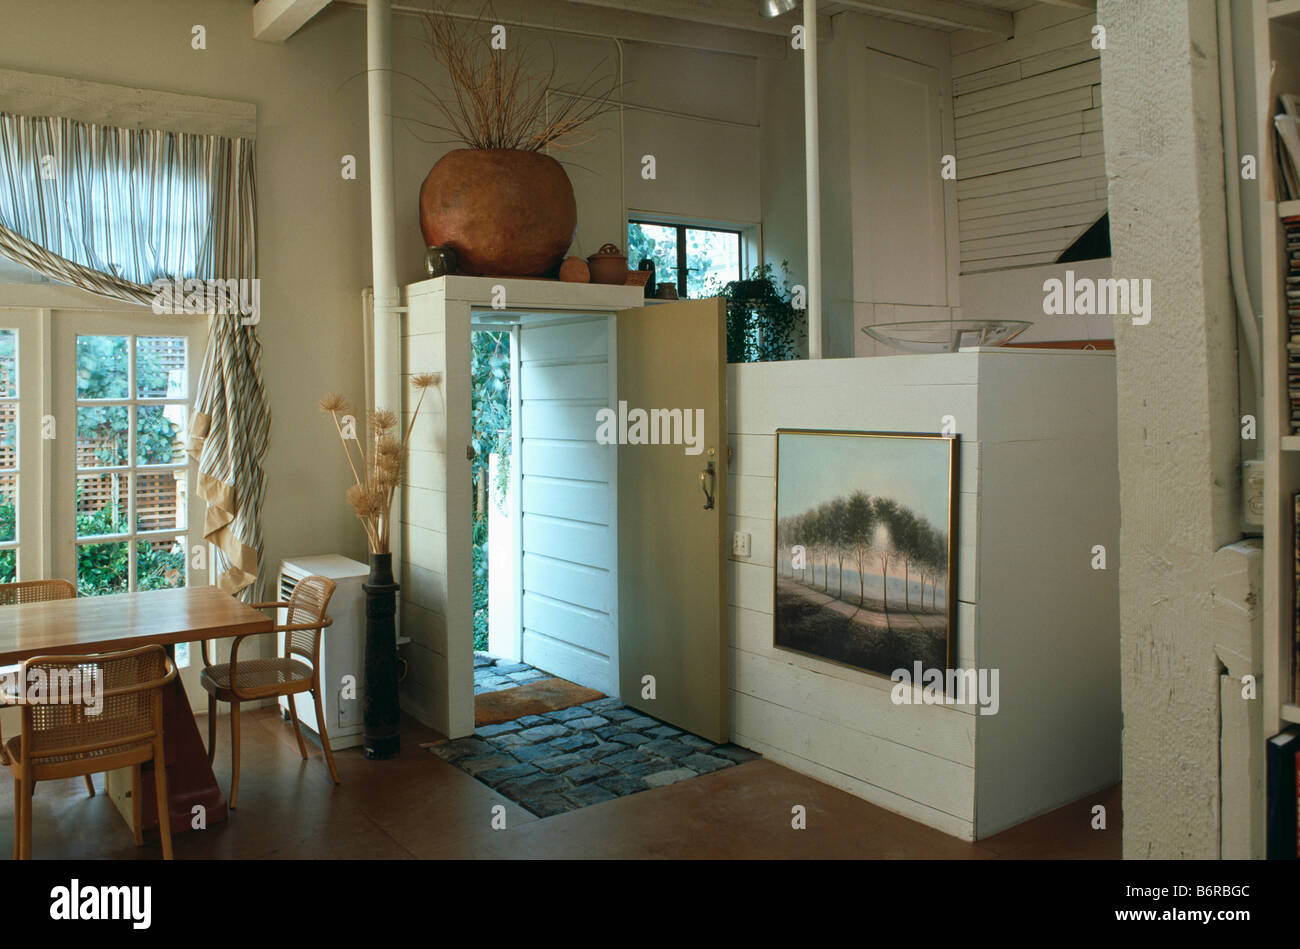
(575, 270)
(608, 266)
(506, 213)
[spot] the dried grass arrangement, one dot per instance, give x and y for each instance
(377, 467)
(500, 98)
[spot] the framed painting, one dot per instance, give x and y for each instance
(864, 542)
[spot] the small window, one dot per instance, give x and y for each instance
(699, 261)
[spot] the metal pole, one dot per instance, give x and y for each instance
(812, 170)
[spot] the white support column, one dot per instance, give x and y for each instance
(386, 349)
(812, 168)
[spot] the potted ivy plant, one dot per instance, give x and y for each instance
(763, 324)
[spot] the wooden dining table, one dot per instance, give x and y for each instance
(124, 621)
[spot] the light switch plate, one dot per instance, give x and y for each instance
(740, 543)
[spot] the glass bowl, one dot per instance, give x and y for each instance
(946, 336)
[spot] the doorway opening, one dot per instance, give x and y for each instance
(544, 546)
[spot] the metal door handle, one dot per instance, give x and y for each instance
(709, 473)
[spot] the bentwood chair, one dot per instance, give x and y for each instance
(248, 680)
(70, 736)
(36, 591)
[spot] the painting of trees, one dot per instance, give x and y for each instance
(881, 515)
(862, 531)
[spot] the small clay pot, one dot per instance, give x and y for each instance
(608, 266)
(575, 270)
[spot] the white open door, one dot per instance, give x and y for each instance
(672, 503)
(567, 550)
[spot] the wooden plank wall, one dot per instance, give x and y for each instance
(830, 721)
(1031, 174)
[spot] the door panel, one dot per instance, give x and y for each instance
(672, 621)
(566, 503)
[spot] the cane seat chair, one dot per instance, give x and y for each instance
(62, 739)
(36, 591)
(245, 680)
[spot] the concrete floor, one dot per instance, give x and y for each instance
(417, 806)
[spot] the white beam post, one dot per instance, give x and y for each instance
(812, 171)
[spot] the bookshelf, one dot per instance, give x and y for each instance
(1276, 42)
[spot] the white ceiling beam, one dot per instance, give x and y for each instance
(737, 14)
(940, 13)
(274, 21)
(580, 19)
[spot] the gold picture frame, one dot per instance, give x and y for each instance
(846, 499)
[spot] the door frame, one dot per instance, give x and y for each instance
(436, 330)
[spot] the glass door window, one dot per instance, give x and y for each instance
(9, 455)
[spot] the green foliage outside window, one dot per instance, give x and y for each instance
(102, 374)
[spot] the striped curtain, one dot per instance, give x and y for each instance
(112, 210)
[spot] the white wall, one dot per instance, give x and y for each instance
(697, 114)
(823, 719)
(1028, 601)
(1018, 294)
(1030, 169)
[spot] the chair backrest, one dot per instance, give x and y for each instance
(94, 703)
(34, 591)
(307, 605)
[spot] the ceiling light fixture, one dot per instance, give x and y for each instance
(776, 7)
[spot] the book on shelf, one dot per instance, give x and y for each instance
(1282, 766)
(1295, 615)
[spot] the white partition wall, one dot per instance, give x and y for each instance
(1038, 491)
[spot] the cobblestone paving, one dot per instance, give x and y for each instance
(493, 675)
(595, 752)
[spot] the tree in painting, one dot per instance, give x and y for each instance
(871, 587)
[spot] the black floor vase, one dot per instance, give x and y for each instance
(381, 710)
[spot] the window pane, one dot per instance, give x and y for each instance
(8, 364)
(657, 242)
(160, 500)
(158, 435)
(102, 439)
(8, 507)
(101, 504)
(712, 261)
(160, 367)
(101, 568)
(160, 564)
(101, 367)
(8, 434)
(8, 565)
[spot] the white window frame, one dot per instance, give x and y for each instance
(30, 535)
(751, 234)
(66, 326)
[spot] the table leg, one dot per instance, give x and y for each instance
(190, 780)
